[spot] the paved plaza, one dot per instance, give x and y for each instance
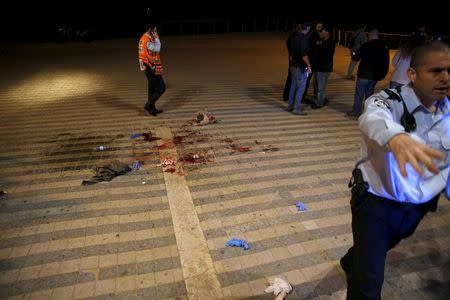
(151, 234)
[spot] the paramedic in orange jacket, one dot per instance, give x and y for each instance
(150, 63)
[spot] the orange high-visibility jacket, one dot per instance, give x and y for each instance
(150, 58)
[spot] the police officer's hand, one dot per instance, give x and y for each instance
(407, 150)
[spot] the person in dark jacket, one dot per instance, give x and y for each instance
(314, 41)
(357, 40)
(322, 66)
(373, 67)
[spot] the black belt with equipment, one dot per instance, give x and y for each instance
(360, 188)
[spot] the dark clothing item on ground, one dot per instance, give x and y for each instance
(108, 172)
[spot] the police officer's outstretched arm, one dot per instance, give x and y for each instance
(378, 124)
(407, 150)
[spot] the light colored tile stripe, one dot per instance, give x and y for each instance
(313, 179)
(94, 240)
(84, 222)
(197, 265)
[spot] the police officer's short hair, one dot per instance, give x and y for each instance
(419, 54)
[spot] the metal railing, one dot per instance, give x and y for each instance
(342, 37)
(224, 25)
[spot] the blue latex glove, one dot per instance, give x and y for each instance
(135, 135)
(136, 165)
(300, 206)
(238, 243)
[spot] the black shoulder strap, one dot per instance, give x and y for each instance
(407, 120)
(392, 95)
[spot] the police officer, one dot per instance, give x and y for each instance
(404, 167)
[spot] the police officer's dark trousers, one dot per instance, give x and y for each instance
(156, 87)
(378, 224)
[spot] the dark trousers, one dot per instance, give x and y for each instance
(378, 224)
(364, 89)
(156, 87)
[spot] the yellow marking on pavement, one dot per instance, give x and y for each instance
(197, 265)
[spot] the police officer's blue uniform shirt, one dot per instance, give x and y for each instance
(379, 123)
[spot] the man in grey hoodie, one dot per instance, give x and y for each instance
(359, 38)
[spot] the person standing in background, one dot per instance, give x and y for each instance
(373, 67)
(322, 66)
(402, 59)
(358, 39)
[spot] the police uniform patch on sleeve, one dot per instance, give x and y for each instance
(381, 103)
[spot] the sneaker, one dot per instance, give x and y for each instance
(289, 109)
(315, 106)
(151, 111)
(299, 113)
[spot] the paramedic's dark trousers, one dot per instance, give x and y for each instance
(378, 224)
(156, 87)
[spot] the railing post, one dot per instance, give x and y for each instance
(345, 38)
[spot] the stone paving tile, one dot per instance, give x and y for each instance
(176, 289)
(288, 201)
(263, 191)
(264, 223)
(23, 197)
(140, 268)
(283, 158)
(199, 188)
(32, 260)
(33, 204)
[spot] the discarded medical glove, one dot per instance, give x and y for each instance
(238, 243)
(300, 206)
(279, 287)
(136, 165)
(135, 136)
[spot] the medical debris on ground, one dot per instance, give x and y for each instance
(189, 142)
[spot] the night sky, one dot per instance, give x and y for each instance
(36, 21)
